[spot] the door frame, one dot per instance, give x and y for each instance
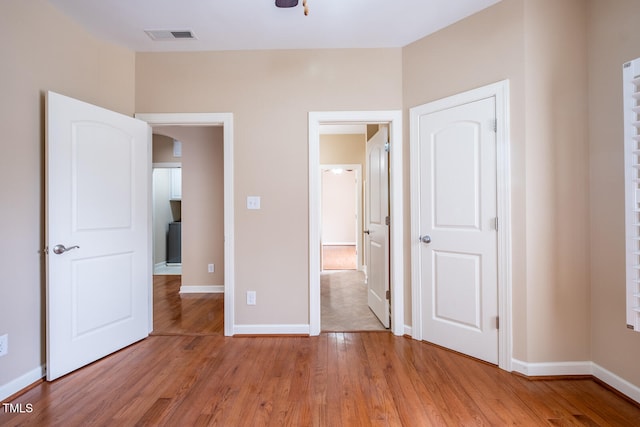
(226, 121)
(394, 119)
(500, 91)
(358, 172)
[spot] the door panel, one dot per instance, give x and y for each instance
(458, 210)
(376, 212)
(98, 183)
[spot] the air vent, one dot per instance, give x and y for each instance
(161, 35)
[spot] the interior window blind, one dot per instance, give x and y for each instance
(631, 93)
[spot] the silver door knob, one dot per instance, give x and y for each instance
(60, 249)
(425, 239)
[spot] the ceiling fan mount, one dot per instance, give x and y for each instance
(286, 3)
(292, 3)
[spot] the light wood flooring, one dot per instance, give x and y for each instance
(339, 257)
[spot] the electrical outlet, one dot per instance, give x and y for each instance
(251, 297)
(211, 268)
(4, 345)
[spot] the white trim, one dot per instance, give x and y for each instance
(500, 91)
(22, 382)
(166, 165)
(394, 118)
(617, 382)
(549, 369)
(408, 330)
(271, 329)
(226, 121)
(339, 243)
(202, 289)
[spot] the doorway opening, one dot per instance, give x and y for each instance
(166, 184)
(319, 122)
(217, 262)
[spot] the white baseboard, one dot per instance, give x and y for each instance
(578, 368)
(271, 329)
(22, 382)
(552, 368)
(338, 243)
(208, 289)
(623, 386)
(408, 330)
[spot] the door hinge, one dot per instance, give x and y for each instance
(388, 295)
(497, 322)
(387, 221)
(387, 146)
(493, 124)
(496, 223)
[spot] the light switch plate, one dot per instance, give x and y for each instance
(253, 202)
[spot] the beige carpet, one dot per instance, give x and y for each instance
(344, 303)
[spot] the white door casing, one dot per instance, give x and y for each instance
(461, 280)
(394, 119)
(98, 199)
(377, 231)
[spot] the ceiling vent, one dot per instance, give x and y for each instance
(161, 35)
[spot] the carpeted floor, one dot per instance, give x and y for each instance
(344, 303)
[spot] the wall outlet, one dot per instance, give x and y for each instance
(211, 268)
(251, 297)
(253, 202)
(4, 345)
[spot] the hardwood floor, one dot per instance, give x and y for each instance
(335, 379)
(189, 374)
(339, 257)
(185, 314)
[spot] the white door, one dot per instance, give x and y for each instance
(97, 184)
(377, 230)
(458, 249)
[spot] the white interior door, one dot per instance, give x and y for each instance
(98, 186)
(377, 230)
(458, 249)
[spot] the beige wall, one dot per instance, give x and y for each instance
(541, 48)
(557, 199)
(339, 208)
(162, 148)
(484, 48)
(270, 94)
(40, 50)
(202, 203)
(614, 38)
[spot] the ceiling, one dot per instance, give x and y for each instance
(258, 24)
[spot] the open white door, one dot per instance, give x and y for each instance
(97, 233)
(377, 229)
(457, 222)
